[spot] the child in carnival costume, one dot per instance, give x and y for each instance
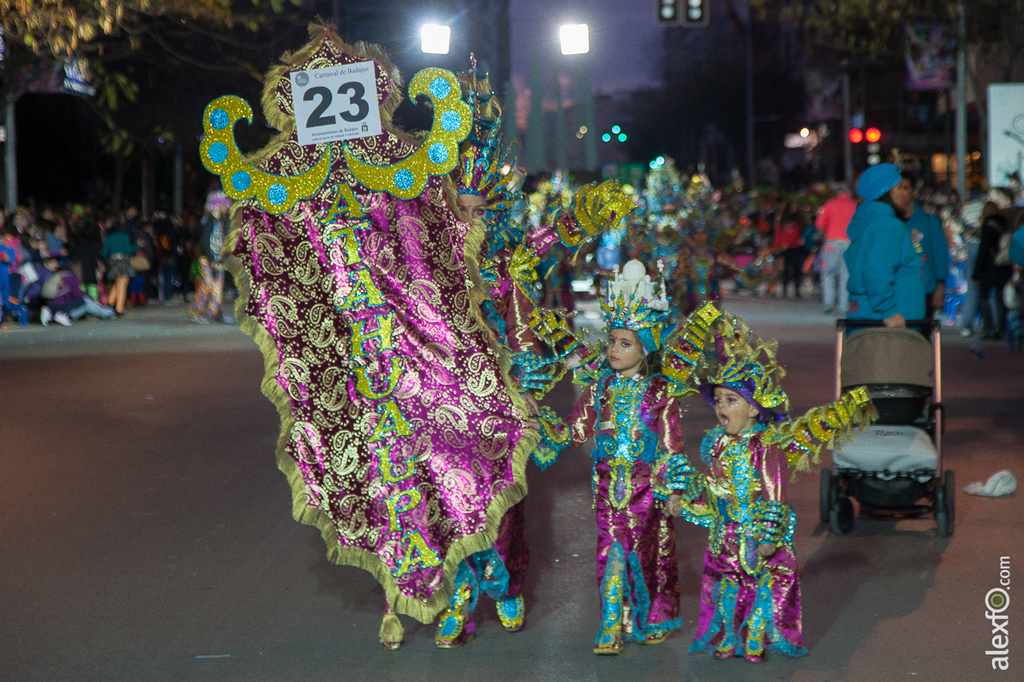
(631, 409)
(750, 590)
(539, 343)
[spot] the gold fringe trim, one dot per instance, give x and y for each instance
(391, 630)
(423, 611)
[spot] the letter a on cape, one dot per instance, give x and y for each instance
(401, 436)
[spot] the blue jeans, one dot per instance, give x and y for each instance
(91, 307)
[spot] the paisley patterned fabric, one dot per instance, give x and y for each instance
(402, 436)
(634, 421)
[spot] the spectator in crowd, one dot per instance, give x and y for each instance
(789, 244)
(118, 248)
(886, 273)
(930, 240)
(64, 299)
(86, 248)
(993, 268)
(832, 221)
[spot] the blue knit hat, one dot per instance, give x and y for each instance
(877, 180)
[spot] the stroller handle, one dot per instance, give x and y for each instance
(921, 325)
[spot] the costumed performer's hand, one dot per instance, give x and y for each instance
(939, 297)
(532, 408)
(895, 321)
(766, 549)
(675, 505)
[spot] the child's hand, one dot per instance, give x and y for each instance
(675, 505)
(533, 423)
(765, 549)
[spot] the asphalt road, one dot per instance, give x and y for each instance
(146, 534)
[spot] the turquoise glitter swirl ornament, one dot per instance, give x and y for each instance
(276, 194)
(437, 155)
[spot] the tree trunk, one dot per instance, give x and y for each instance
(118, 193)
(11, 158)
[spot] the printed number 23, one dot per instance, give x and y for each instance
(317, 119)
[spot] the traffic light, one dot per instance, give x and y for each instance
(668, 12)
(872, 135)
(856, 135)
(695, 13)
(686, 13)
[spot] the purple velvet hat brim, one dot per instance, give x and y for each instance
(765, 415)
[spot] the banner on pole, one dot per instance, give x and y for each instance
(931, 57)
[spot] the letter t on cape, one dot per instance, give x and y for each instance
(400, 436)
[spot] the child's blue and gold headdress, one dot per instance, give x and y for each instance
(741, 361)
(485, 168)
(632, 303)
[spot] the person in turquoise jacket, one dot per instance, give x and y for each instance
(927, 235)
(886, 271)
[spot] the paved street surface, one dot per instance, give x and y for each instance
(146, 534)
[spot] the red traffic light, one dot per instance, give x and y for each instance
(873, 134)
(856, 135)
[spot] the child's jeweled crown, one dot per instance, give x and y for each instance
(635, 302)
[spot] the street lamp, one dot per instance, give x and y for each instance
(435, 38)
(575, 38)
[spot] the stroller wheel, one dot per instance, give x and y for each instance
(945, 507)
(840, 517)
(826, 494)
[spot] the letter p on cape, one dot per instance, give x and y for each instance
(388, 194)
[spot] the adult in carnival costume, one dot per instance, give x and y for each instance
(750, 590)
(539, 343)
(402, 436)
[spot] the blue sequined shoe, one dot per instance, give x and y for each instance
(512, 612)
(609, 638)
(456, 626)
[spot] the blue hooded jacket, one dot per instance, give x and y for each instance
(934, 248)
(886, 271)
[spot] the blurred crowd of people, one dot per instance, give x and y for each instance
(61, 264)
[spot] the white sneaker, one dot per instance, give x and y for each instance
(62, 318)
(45, 315)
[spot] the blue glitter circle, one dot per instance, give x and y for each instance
(241, 181)
(439, 88)
(438, 153)
(450, 121)
(277, 194)
(219, 119)
(218, 152)
(404, 179)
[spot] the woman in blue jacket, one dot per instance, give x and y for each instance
(886, 271)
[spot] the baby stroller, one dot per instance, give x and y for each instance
(893, 467)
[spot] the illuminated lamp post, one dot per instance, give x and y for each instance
(435, 39)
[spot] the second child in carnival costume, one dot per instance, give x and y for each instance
(750, 590)
(538, 342)
(631, 409)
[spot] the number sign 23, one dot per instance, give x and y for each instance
(335, 103)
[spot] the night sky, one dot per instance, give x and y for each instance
(625, 42)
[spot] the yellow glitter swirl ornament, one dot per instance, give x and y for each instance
(276, 194)
(439, 152)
